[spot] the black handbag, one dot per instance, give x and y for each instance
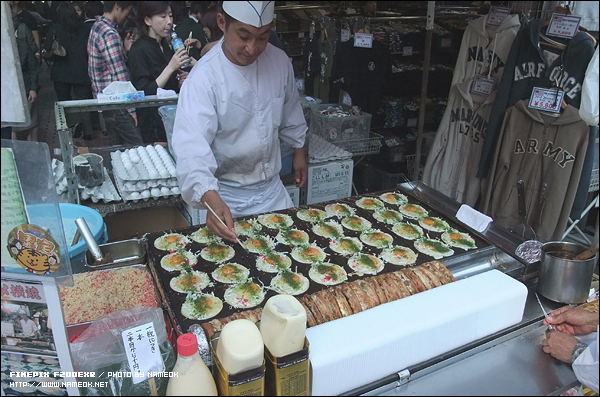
(56, 49)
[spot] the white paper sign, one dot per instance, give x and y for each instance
(363, 40)
(143, 354)
(549, 100)
(563, 25)
(345, 35)
(407, 51)
(346, 99)
(483, 85)
(300, 84)
(497, 15)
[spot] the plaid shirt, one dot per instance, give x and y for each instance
(105, 55)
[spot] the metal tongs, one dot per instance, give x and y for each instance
(415, 189)
(550, 327)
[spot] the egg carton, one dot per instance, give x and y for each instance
(145, 194)
(320, 150)
(143, 163)
(105, 192)
(138, 186)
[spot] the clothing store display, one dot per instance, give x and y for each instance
(529, 65)
(311, 63)
(323, 80)
(454, 154)
(484, 48)
(547, 153)
(229, 121)
(365, 73)
(588, 110)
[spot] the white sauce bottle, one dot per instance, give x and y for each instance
(283, 325)
(193, 376)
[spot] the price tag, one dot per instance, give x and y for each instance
(483, 85)
(563, 25)
(363, 40)
(407, 51)
(345, 35)
(143, 353)
(346, 100)
(546, 99)
(447, 42)
(497, 15)
(300, 84)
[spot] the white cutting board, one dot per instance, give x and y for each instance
(353, 351)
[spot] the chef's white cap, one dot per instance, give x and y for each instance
(255, 13)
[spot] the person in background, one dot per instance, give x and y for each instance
(153, 64)
(107, 63)
(211, 30)
(49, 9)
(564, 346)
(191, 24)
(70, 73)
(26, 18)
(28, 327)
(91, 11)
(27, 47)
(79, 8)
(233, 108)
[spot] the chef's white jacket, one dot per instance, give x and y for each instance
(228, 123)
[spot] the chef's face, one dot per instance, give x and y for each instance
(243, 43)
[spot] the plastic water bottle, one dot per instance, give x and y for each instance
(177, 44)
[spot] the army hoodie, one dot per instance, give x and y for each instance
(529, 65)
(484, 49)
(451, 166)
(547, 153)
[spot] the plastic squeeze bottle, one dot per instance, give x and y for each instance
(193, 376)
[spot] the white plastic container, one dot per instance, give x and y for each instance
(193, 376)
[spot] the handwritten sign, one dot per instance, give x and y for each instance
(143, 354)
(345, 35)
(549, 100)
(563, 25)
(363, 40)
(497, 15)
(13, 209)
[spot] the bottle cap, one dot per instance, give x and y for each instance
(187, 345)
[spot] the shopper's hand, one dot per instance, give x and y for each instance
(178, 60)
(181, 76)
(573, 320)
(128, 42)
(559, 345)
(191, 41)
(32, 96)
(300, 167)
(212, 199)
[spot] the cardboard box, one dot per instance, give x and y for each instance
(194, 215)
(124, 97)
(247, 383)
(329, 181)
(288, 375)
(135, 223)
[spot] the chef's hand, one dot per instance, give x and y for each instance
(559, 345)
(300, 167)
(573, 320)
(217, 204)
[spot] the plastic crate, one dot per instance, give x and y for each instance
(339, 130)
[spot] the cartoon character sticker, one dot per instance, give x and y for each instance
(34, 249)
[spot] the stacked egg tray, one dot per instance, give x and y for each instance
(143, 173)
(319, 150)
(105, 192)
(174, 300)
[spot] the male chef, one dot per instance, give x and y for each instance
(234, 106)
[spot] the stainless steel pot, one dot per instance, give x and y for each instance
(562, 279)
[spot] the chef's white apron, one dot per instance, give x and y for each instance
(250, 200)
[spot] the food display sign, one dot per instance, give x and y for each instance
(143, 354)
(309, 251)
(13, 209)
(34, 249)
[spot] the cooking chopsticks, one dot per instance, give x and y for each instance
(223, 223)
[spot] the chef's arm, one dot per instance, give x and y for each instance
(215, 202)
(300, 167)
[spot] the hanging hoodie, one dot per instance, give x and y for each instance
(452, 162)
(547, 153)
(484, 48)
(528, 66)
